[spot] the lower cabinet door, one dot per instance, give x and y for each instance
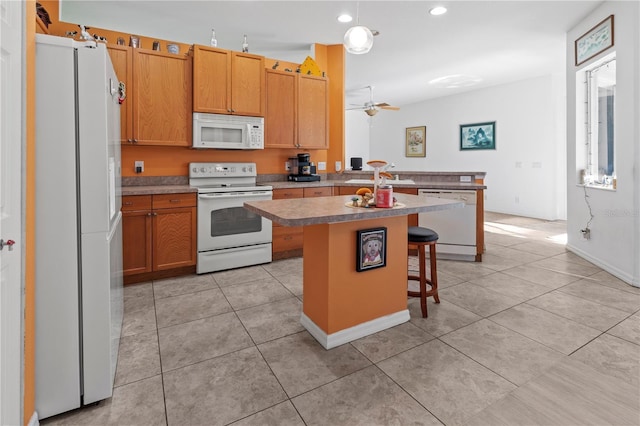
(136, 250)
(174, 238)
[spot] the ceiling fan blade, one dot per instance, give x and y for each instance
(356, 108)
(387, 106)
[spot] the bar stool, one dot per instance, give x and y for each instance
(421, 237)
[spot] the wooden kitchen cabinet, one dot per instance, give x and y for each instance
(287, 241)
(227, 82)
(280, 118)
(159, 235)
(296, 111)
(157, 110)
(313, 112)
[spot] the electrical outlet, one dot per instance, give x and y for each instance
(287, 166)
(322, 165)
(338, 166)
(139, 166)
(586, 233)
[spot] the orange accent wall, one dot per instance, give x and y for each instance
(29, 280)
(336, 69)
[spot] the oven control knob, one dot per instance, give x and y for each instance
(202, 169)
(251, 168)
(194, 170)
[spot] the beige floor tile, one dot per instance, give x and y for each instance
(570, 394)
(300, 363)
(477, 299)
(499, 263)
(609, 280)
(367, 397)
(628, 329)
(283, 414)
(570, 268)
(493, 235)
(551, 330)
(183, 285)
(240, 275)
(541, 276)
(463, 270)
(580, 310)
(138, 321)
(138, 403)
(511, 355)
(196, 341)
(221, 390)
(285, 267)
(510, 253)
(255, 293)
(604, 295)
(511, 286)
(572, 258)
(293, 283)
(447, 383)
(392, 341)
(612, 356)
(444, 279)
(138, 358)
(138, 297)
(443, 318)
(540, 247)
(272, 320)
(191, 306)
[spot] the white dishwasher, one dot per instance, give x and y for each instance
(456, 228)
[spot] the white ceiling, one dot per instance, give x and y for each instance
(493, 41)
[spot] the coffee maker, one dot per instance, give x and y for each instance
(303, 169)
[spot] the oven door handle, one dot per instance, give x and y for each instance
(233, 195)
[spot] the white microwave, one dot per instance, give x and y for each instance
(227, 131)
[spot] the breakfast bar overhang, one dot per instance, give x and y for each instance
(341, 304)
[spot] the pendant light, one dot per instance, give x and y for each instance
(359, 39)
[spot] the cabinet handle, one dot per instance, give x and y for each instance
(135, 141)
(149, 214)
(129, 140)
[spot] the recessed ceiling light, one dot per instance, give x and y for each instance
(438, 10)
(345, 18)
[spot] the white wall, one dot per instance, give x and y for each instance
(615, 229)
(356, 137)
(526, 171)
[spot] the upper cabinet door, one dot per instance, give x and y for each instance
(313, 112)
(122, 65)
(247, 84)
(211, 80)
(162, 89)
(227, 82)
(280, 109)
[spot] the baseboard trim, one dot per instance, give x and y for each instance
(618, 273)
(350, 334)
(33, 421)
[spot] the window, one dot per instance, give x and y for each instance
(600, 87)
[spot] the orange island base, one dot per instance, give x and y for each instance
(341, 304)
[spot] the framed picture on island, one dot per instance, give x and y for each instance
(371, 248)
(478, 136)
(416, 141)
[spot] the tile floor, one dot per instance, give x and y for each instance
(533, 335)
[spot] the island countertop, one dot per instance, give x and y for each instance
(317, 210)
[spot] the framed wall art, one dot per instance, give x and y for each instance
(478, 136)
(371, 247)
(416, 141)
(596, 40)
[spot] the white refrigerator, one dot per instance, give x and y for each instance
(78, 232)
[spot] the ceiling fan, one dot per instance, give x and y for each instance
(371, 108)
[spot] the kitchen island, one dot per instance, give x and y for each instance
(341, 304)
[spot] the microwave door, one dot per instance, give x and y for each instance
(227, 135)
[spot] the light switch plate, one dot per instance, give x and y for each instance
(338, 166)
(139, 166)
(322, 165)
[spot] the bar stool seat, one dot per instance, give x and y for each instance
(421, 237)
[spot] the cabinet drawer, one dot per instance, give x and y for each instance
(166, 201)
(279, 194)
(136, 202)
(287, 238)
(324, 191)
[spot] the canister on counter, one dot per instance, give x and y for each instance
(384, 196)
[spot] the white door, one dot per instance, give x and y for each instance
(11, 141)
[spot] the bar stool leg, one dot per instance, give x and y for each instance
(434, 274)
(423, 279)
